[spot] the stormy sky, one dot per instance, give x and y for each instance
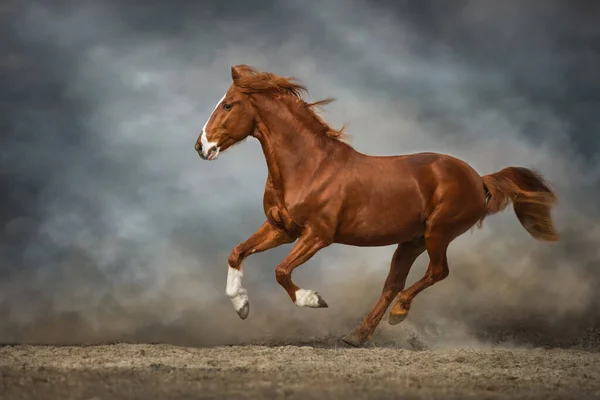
(112, 228)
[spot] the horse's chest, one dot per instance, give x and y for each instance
(292, 207)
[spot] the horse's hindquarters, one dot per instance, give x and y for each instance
(393, 197)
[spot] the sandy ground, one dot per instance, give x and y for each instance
(132, 371)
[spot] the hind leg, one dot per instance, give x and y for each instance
(460, 204)
(403, 259)
(436, 271)
(449, 220)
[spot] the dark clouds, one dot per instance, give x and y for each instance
(112, 228)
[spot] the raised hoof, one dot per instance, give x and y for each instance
(244, 311)
(309, 298)
(321, 303)
(396, 319)
(352, 339)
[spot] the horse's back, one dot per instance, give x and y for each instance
(429, 169)
(443, 177)
(388, 199)
(433, 169)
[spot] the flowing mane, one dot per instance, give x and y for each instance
(252, 81)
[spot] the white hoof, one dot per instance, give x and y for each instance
(237, 294)
(241, 304)
(309, 298)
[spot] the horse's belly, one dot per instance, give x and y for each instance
(379, 228)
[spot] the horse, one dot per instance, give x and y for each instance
(320, 190)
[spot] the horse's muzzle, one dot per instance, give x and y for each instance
(210, 154)
(198, 148)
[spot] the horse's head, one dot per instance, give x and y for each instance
(231, 121)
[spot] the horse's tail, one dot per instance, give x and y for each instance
(531, 196)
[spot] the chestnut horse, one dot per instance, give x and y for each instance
(320, 191)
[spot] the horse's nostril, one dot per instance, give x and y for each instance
(198, 147)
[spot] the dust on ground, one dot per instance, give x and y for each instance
(146, 371)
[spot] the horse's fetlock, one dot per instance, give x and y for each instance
(235, 257)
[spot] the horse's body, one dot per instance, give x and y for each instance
(388, 203)
(321, 191)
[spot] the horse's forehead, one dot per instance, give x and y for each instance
(233, 90)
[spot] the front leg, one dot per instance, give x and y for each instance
(306, 247)
(265, 238)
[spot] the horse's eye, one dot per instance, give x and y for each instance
(226, 106)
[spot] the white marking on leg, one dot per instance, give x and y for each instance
(206, 145)
(235, 291)
(234, 281)
(308, 298)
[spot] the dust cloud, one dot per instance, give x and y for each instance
(112, 228)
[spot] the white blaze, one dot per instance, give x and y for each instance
(206, 145)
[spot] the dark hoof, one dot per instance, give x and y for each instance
(244, 311)
(321, 303)
(396, 319)
(352, 339)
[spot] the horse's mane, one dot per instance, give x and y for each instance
(252, 81)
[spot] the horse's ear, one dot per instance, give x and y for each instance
(236, 73)
(239, 71)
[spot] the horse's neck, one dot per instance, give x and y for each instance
(292, 152)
